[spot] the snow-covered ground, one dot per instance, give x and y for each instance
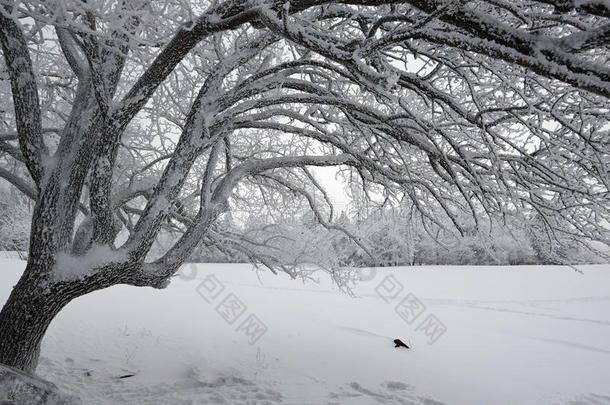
(512, 335)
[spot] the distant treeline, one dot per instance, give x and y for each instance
(392, 239)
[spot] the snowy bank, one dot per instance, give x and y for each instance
(221, 333)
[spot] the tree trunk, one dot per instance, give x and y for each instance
(24, 319)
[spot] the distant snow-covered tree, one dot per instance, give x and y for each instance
(132, 118)
(15, 216)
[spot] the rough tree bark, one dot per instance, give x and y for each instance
(24, 319)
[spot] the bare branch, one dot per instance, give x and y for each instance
(25, 94)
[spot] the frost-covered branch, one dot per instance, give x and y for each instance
(25, 93)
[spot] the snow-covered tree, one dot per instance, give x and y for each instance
(15, 215)
(129, 118)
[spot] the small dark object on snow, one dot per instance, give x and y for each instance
(399, 343)
(127, 376)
